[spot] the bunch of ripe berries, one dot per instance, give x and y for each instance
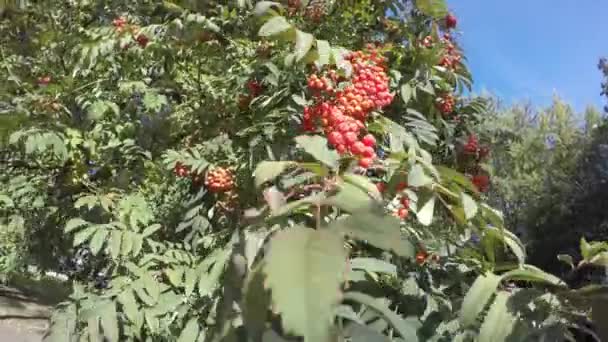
(254, 89)
(445, 104)
(480, 179)
(120, 25)
(217, 180)
(402, 210)
(343, 105)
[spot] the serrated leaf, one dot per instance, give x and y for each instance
(74, 224)
(129, 304)
(600, 259)
(115, 240)
(304, 42)
(373, 265)
(262, 7)
(84, 234)
(269, 170)
(304, 269)
(151, 230)
(477, 298)
(585, 249)
(406, 93)
(151, 287)
(510, 239)
(566, 259)
(93, 329)
(324, 51)
(469, 205)
(138, 241)
(190, 332)
(127, 243)
(363, 183)
(499, 322)
(417, 177)
(175, 276)
(377, 229)
(256, 303)
(533, 274)
(191, 276)
(362, 333)
(426, 211)
(349, 197)
(407, 328)
(208, 282)
(109, 322)
(274, 26)
(98, 240)
(316, 146)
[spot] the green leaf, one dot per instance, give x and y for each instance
(274, 26)
(585, 249)
(324, 51)
(75, 223)
(510, 239)
(256, 303)
(469, 205)
(129, 305)
(305, 269)
(150, 230)
(262, 7)
(567, 259)
(84, 234)
(373, 265)
(425, 212)
(349, 197)
(175, 276)
(433, 8)
(98, 240)
(127, 243)
(269, 170)
(448, 174)
(316, 146)
(304, 42)
(363, 183)
(109, 322)
(379, 230)
(190, 332)
(477, 297)
(406, 93)
(407, 328)
(151, 287)
(93, 329)
(417, 177)
(208, 282)
(499, 322)
(190, 283)
(115, 239)
(362, 333)
(600, 259)
(533, 274)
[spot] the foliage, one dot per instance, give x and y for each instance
(145, 133)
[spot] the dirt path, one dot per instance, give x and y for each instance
(23, 318)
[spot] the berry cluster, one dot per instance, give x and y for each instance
(292, 7)
(472, 147)
(181, 170)
(254, 89)
(422, 256)
(219, 180)
(427, 42)
(120, 25)
(452, 56)
(403, 211)
(315, 10)
(45, 80)
(481, 182)
(451, 21)
(342, 106)
(445, 104)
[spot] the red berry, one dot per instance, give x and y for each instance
(451, 21)
(368, 152)
(401, 186)
(369, 140)
(357, 148)
(142, 40)
(421, 257)
(402, 213)
(365, 162)
(335, 138)
(341, 149)
(381, 187)
(350, 138)
(405, 202)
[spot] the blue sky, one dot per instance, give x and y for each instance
(530, 49)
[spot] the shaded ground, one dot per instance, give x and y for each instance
(25, 308)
